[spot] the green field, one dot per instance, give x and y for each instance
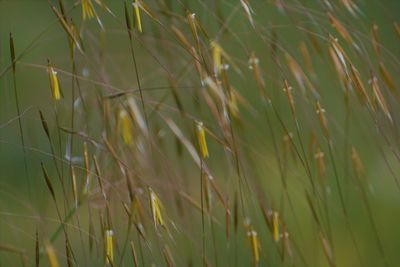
(199, 133)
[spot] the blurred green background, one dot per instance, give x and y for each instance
(38, 35)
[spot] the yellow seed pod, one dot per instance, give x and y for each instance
(125, 127)
(233, 105)
(136, 11)
(155, 204)
(87, 9)
(216, 55)
(109, 247)
(275, 225)
(255, 245)
(54, 83)
(201, 137)
(51, 255)
(253, 240)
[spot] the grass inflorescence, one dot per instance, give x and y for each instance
(201, 133)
